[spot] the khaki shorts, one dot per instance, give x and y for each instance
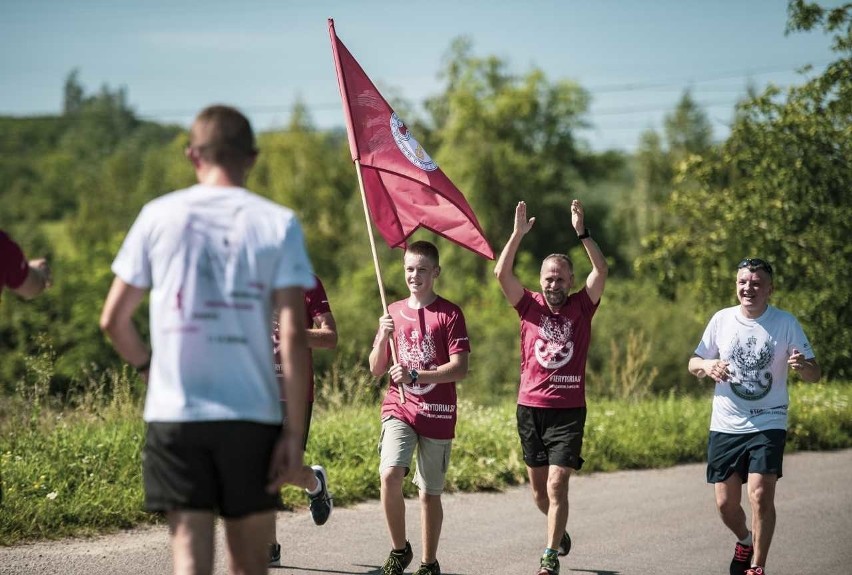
(396, 447)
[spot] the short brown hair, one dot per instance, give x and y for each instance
(425, 249)
(222, 135)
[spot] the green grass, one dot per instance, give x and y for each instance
(77, 471)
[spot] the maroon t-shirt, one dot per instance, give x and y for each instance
(13, 265)
(316, 304)
(554, 347)
(425, 339)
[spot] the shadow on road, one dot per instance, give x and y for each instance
(377, 570)
(372, 570)
(315, 570)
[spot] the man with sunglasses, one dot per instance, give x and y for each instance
(747, 350)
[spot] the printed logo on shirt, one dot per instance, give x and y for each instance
(554, 347)
(437, 410)
(750, 376)
(418, 352)
(276, 338)
(777, 410)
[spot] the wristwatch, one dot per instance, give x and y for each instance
(586, 234)
(413, 375)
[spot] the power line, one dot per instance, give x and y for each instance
(669, 84)
(733, 75)
(594, 115)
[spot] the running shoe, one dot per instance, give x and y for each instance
(549, 565)
(275, 555)
(742, 559)
(321, 503)
(565, 545)
(428, 569)
(397, 561)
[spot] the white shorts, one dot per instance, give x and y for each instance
(396, 447)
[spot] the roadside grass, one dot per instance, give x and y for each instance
(76, 471)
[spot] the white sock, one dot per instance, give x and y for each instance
(747, 541)
(317, 489)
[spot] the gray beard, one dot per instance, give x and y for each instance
(554, 300)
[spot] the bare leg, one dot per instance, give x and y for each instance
(393, 504)
(431, 520)
(557, 495)
(538, 485)
(248, 550)
(192, 541)
(728, 503)
(761, 495)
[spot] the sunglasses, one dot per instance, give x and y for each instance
(755, 264)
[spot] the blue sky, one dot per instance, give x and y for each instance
(636, 57)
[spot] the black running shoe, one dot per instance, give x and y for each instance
(565, 545)
(429, 569)
(397, 561)
(742, 559)
(275, 555)
(321, 503)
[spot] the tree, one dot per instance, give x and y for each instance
(639, 211)
(687, 129)
(502, 138)
(310, 172)
(779, 188)
(73, 94)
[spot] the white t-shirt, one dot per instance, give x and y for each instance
(755, 397)
(212, 257)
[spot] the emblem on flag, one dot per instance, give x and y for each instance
(409, 146)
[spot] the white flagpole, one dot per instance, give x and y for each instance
(378, 269)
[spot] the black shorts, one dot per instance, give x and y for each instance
(551, 436)
(744, 453)
(218, 466)
(308, 414)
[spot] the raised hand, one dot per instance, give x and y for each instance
(578, 217)
(522, 224)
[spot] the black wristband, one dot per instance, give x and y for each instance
(586, 234)
(144, 367)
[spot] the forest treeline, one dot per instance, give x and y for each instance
(673, 218)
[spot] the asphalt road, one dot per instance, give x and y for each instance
(633, 522)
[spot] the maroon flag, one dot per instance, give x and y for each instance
(404, 187)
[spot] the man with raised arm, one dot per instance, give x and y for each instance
(556, 328)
